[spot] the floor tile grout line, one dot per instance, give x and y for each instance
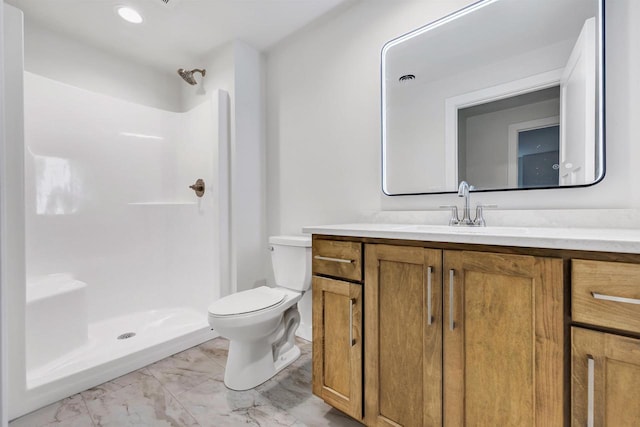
(175, 397)
(213, 359)
(204, 353)
(88, 410)
(219, 363)
(136, 384)
(210, 357)
(207, 377)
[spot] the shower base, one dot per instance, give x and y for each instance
(157, 334)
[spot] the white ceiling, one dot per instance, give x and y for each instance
(179, 32)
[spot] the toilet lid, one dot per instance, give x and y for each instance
(247, 301)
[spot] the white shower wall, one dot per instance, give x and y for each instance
(107, 198)
(107, 204)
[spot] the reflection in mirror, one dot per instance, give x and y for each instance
(532, 140)
(505, 94)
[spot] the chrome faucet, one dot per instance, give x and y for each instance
(463, 191)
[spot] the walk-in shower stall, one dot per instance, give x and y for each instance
(121, 256)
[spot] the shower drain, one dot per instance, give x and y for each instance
(126, 335)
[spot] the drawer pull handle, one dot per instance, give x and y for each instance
(326, 258)
(614, 298)
(452, 324)
(429, 316)
(591, 365)
(351, 340)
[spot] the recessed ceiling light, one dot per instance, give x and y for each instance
(129, 14)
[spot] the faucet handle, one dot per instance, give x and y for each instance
(479, 221)
(454, 214)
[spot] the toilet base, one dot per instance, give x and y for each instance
(250, 363)
(287, 358)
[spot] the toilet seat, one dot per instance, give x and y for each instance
(251, 301)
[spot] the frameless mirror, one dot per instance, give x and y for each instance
(504, 94)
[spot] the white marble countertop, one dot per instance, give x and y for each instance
(587, 239)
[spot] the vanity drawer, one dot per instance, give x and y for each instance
(338, 259)
(606, 294)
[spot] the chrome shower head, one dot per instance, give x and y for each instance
(187, 75)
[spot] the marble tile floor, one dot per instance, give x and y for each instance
(187, 389)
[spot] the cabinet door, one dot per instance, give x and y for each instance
(503, 340)
(605, 373)
(337, 344)
(403, 336)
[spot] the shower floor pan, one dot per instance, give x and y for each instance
(121, 344)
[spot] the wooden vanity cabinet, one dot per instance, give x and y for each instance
(337, 259)
(606, 294)
(337, 325)
(605, 367)
(451, 337)
(477, 340)
(503, 340)
(605, 379)
(337, 344)
(403, 336)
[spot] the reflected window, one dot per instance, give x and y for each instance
(539, 157)
(56, 190)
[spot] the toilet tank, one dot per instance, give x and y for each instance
(291, 260)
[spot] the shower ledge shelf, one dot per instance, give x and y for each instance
(168, 203)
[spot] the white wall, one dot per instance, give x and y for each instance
(323, 120)
(3, 300)
(236, 68)
(219, 64)
(69, 60)
(623, 102)
(100, 169)
(248, 157)
(13, 271)
(323, 113)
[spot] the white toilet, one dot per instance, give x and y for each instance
(261, 323)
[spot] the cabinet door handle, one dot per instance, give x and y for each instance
(429, 314)
(351, 340)
(614, 298)
(452, 324)
(591, 364)
(326, 258)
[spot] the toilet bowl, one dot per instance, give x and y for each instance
(261, 323)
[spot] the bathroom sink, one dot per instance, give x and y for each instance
(446, 229)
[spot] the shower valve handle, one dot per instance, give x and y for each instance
(198, 187)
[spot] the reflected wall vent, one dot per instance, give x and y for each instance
(406, 78)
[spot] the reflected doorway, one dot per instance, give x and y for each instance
(538, 157)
